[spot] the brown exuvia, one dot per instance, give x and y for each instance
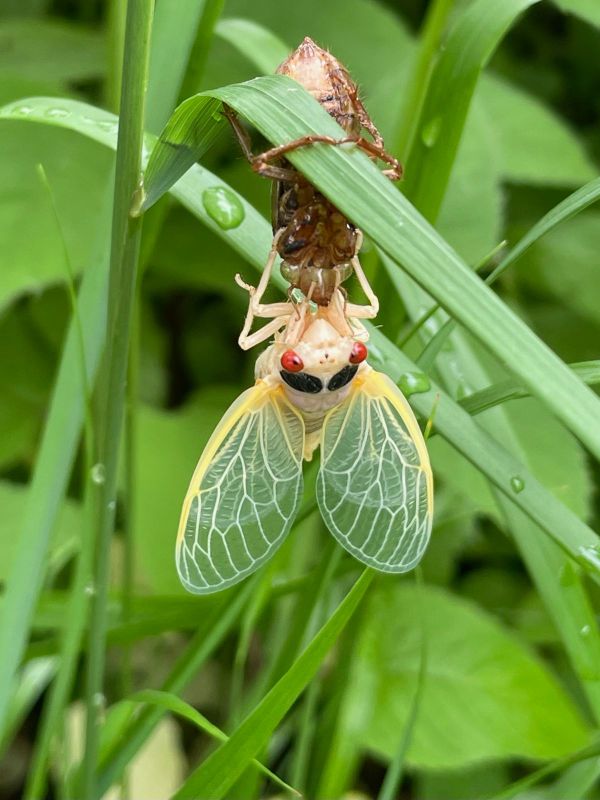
(318, 245)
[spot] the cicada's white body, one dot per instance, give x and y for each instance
(313, 388)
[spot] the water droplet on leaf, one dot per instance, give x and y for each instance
(414, 383)
(589, 557)
(585, 630)
(98, 474)
(517, 484)
(57, 113)
(431, 131)
(223, 206)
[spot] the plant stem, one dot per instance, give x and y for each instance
(125, 244)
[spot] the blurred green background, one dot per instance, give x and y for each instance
(500, 695)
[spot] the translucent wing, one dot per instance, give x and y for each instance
(244, 493)
(375, 487)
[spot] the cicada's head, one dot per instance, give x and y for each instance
(327, 80)
(318, 371)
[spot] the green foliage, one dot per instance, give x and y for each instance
(308, 673)
(475, 671)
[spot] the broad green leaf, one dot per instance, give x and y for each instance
(25, 380)
(587, 10)
(485, 696)
(77, 172)
(50, 49)
(533, 144)
(252, 238)
(219, 771)
(471, 215)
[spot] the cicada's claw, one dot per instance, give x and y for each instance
(243, 285)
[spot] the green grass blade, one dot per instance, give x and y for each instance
(221, 769)
(252, 238)
(568, 208)
(518, 787)
(183, 141)
(32, 681)
(565, 210)
(170, 702)
(173, 35)
(125, 247)
(469, 44)
(73, 625)
(53, 466)
(434, 25)
(504, 391)
(260, 46)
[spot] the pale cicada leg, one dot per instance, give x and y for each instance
(279, 313)
(355, 310)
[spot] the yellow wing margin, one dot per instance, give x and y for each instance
(244, 493)
(375, 486)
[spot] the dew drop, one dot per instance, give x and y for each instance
(414, 383)
(517, 484)
(431, 131)
(223, 206)
(23, 111)
(585, 631)
(589, 557)
(90, 590)
(108, 126)
(56, 113)
(98, 474)
(111, 505)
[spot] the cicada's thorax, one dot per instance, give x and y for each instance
(317, 374)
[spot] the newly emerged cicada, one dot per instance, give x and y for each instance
(374, 490)
(313, 389)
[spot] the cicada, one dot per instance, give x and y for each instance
(314, 388)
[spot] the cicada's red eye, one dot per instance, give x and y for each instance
(358, 353)
(291, 361)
